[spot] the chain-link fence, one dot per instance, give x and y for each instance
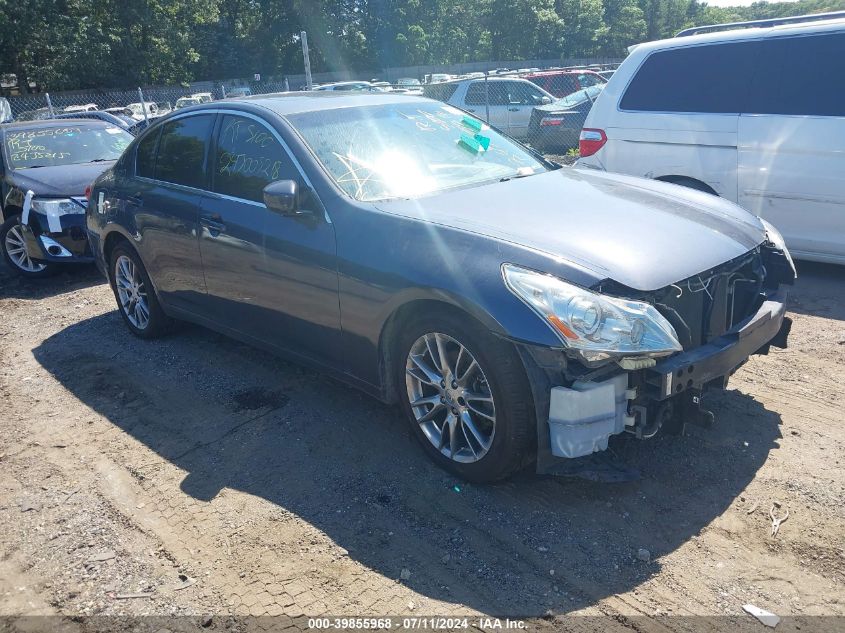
(542, 107)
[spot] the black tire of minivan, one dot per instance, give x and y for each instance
(48, 269)
(158, 323)
(514, 439)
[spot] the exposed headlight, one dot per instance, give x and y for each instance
(62, 206)
(596, 326)
(774, 237)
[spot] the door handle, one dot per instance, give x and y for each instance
(213, 222)
(513, 109)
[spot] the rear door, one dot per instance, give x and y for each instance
(269, 276)
(488, 98)
(163, 198)
(791, 142)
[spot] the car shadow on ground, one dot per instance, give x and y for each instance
(819, 290)
(231, 416)
(69, 279)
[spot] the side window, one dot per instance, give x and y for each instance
(477, 94)
(711, 78)
(563, 85)
(248, 157)
(800, 75)
(182, 151)
(145, 156)
(520, 93)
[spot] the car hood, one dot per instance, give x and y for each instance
(64, 180)
(641, 233)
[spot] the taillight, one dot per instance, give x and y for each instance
(591, 141)
(88, 193)
(546, 122)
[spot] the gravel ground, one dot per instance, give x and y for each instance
(197, 476)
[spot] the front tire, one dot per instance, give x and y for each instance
(466, 396)
(16, 255)
(133, 291)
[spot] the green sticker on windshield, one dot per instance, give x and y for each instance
(475, 124)
(476, 143)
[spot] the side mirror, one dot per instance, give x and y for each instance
(545, 100)
(282, 196)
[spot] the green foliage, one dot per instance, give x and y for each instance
(66, 44)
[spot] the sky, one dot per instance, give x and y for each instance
(735, 3)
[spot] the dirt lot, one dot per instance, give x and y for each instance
(195, 475)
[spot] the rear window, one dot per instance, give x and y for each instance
(479, 91)
(712, 79)
(441, 92)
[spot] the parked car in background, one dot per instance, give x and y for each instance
(562, 83)
(409, 85)
(5, 110)
(45, 168)
(34, 115)
(164, 107)
(119, 120)
(353, 86)
(239, 91)
(435, 78)
(88, 107)
(194, 99)
(754, 115)
(509, 100)
(517, 312)
(556, 128)
(140, 111)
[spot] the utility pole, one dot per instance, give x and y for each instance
(304, 37)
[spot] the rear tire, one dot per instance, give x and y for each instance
(15, 253)
(474, 413)
(135, 296)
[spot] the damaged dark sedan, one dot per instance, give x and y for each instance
(519, 313)
(45, 168)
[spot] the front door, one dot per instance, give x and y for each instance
(171, 170)
(268, 276)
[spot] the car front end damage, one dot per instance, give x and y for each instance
(54, 230)
(698, 332)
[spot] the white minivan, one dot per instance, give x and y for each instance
(756, 115)
(504, 102)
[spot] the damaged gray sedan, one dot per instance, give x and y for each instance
(519, 313)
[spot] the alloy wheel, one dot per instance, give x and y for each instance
(16, 250)
(131, 292)
(450, 397)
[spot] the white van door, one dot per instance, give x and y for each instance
(476, 101)
(792, 144)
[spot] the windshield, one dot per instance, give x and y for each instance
(54, 146)
(409, 82)
(409, 150)
(587, 94)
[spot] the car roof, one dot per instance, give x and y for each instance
(51, 123)
(490, 78)
(284, 103)
(562, 71)
(739, 34)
